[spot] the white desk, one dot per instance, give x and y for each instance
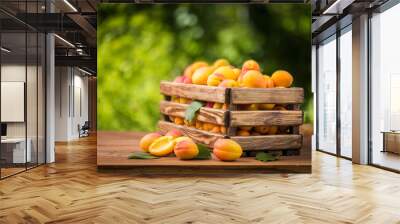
(19, 149)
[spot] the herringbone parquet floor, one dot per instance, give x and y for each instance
(73, 191)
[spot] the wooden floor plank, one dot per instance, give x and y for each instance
(72, 190)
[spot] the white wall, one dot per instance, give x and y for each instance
(71, 94)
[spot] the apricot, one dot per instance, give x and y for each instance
(208, 126)
(174, 133)
(227, 150)
(179, 79)
(184, 100)
(215, 79)
(279, 107)
(252, 79)
(215, 129)
(262, 129)
(250, 107)
(225, 106)
(273, 130)
(147, 140)
(226, 71)
(223, 129)
(200, 76)
(228, 83)
(199, 125)
(189, 123)
(282, 78)
(175, 99)
(268, 82)
(162, 146)
(179, 139)
(242, 132)
(217, 106)
(210, 104)
(178, 120)
(193, 67)
(266, 106)
(186, 149)
(187, 80)
(246, 128)
(237, 73)
(221, 62)
(250, 65)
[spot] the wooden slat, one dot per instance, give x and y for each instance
(209, 115)
(269, 142)
(254, 118)
(200, 136)
(272, 95)
(198, 92)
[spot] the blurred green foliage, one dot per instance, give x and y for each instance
(140, 45)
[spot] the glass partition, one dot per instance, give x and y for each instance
(22, 77)
(326, 95)
(14, 153)
(385, 89)
(346, 93)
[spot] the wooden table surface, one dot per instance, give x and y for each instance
(113, 149)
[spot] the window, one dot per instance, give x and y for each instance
(385, 88)
(346, 92)
(327, 96)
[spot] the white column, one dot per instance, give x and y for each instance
(50, 99)
(360, 90)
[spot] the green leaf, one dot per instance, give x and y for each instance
(141, 155)
(265, 157)
(204, 152)
(190, 112)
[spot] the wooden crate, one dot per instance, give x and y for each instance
(233, 117)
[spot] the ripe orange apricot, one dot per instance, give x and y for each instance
(272, 130)
(208, 126)
(178, 120)
(282, 78)
(228, 83)
(268, 82)
(279, 107)
(187, 80)
(199, 125)
(227, 150)
(179, 139)
(246, 128)
(266, 106)
(223, 129)
(186, 149)
(174, 133)
(252, 79)
(237, 72)
(226, 71)
(262, 129)
(184, 100)
(200, 76)
(242, 132)
(250, 65)
(221, 62)
(217, 106)
(147, 140)
(193, 67)
(162, 146)
(215, 79)
(179, 79)
(215, 129)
